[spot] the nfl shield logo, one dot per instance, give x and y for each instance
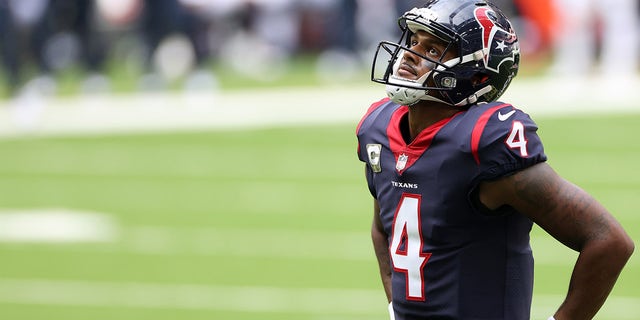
(402, 162)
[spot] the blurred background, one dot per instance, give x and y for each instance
(195, 159)
(78, 47)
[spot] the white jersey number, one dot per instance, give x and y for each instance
(517, 140)
(406, 246)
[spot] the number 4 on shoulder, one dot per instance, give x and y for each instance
(517, 139)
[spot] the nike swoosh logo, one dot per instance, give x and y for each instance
(504, 117)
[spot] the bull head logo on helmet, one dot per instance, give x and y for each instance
(486, 17)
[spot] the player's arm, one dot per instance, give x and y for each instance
(381, 248)
(577, 220)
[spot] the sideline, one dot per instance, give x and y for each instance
(160, 112)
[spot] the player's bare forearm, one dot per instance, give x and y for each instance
(604, 250)
(576, 219)
(593, 277)
(381, 249)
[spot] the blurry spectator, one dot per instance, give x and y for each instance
(263, 38)
(328, 25)
(176, 37)
(22, 38)
(403, 6)
(196, 27)
(50, 36)
(375, 23)
(329, 29)
(160, 19)
(71, 36)
(588, 27)
(342, 28)
(8, 49)
(538, 24)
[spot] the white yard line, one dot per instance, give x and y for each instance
(190, 296)
(235, 242)
(324, 301)
(56, 226)
(150, 112)
(292, 244)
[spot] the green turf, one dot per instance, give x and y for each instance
(283, 208)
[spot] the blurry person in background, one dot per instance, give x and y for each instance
(7, 48)
(170, 32)
(72, 39)
(72, 28)
(537, 22)
(22, 39)
(588, 28)
(51, 36)
(458, 178)
(160, 18)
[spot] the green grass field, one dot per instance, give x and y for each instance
(253, 224)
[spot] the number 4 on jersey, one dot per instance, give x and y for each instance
(406, 246)
(517, 140)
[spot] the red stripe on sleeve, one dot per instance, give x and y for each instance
(478, 129)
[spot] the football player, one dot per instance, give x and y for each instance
(458, 178)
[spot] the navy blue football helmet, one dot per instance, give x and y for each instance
(486, 49)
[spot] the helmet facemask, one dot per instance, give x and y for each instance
(430, 86)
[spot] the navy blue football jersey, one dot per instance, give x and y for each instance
(451, 260)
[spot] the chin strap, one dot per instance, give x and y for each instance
(399, 93)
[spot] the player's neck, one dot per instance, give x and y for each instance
(422, 116)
